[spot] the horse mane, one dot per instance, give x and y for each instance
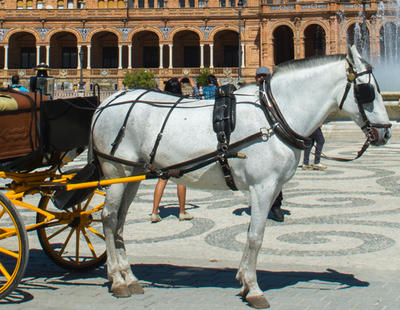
(306, 63)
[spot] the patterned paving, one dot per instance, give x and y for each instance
(341, 231)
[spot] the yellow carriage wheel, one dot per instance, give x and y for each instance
(14, 248)
(74, 239)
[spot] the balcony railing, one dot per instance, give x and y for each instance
(283, 6)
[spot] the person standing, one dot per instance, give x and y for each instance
(211, 89)
(318, 137)
(15, 84)
(276, 212)
(173, 86)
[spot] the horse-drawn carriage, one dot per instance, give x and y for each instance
(38, 137)
(273, 122)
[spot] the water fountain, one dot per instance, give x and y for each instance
(387, 64)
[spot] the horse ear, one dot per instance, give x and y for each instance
(349, 56)
(354, 57)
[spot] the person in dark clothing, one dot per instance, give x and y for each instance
(317, 137)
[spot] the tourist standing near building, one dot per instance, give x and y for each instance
(173, 86)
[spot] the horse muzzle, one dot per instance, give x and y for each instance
(378, 134)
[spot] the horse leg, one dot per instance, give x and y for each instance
(123, 262)
(110, 221)
(260, 205)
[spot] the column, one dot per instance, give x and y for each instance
(201, 55)
(79, 56)
(243, 52)
(161, 56)
(6, 57)
(120, 57)
(88, 56)
(170, 55)
(47, 60)
(130, 56)
(37, 54)
(211, 55)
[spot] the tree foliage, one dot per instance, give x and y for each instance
(202, 77)
(143, 78)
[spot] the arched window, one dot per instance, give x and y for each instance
(110, 4)
(101, 4)
(20, 4)
(70, 4)
(60, 4)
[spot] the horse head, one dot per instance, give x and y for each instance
(362, 99)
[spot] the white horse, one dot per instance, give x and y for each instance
(306, 92)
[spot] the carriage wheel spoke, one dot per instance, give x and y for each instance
(2, 212)
(89, 243)
(77, 245)
(96, 232)
(8, 252)
(89, 200)
(4, 272)
(66, 241)
(96, 220)
(57, 232)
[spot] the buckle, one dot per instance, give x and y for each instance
(265, 133)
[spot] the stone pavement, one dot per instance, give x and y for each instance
(339, 247)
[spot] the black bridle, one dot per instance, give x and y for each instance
(364, 93)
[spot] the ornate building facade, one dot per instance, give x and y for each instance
(100, 40)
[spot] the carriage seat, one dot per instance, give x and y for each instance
(7, 102)
(19, 119)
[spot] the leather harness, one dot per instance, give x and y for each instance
(224, 123)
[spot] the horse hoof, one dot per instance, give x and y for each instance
(258, 302)
(135, 288)
(243, 292)
(121, 291)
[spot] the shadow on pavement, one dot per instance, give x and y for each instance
(165, 275)
(43, 275)
(173, 209)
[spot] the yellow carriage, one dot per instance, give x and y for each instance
(38, 138)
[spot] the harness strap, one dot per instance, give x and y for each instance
(222, 157)
(346, 91)
(278, 122)
(226, 170)
(119, 160)
(160, 134)
(121, 132)
(178, 170)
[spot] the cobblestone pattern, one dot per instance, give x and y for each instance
(338, 248)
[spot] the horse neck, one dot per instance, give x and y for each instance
(307, 96)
